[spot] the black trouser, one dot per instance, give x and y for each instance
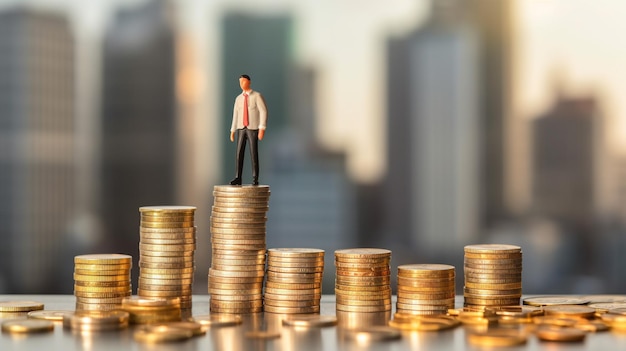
(243, 135)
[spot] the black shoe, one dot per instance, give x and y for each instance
(255, 182)
(236, 181)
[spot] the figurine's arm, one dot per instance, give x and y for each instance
(234, 124)
(263, 116)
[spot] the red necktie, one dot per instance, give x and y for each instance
(245, 110)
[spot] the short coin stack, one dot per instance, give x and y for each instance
(493, 275)
(294, 280)
(238, 248)
(362, 282)
(167, 245)
(425, 289)
(101, 281)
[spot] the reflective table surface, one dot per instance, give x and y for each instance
(291, 338)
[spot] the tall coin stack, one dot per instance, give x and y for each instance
(238, 248)
(362, 282)
(425, 289)
(294, 280)
(101, 281)
(166, 253)
(493, 275)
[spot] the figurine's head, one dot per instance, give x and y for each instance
(244, 82)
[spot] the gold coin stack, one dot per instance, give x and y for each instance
(238, 248)
(167, 244)
(101, 281)
(152, 310)
(294, 280)
(362, 282)
(425, 289)
(493, 275)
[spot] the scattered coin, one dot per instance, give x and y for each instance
(27, 326)
(560, 334)
(161, 334)
(20, 306)
(310, 321)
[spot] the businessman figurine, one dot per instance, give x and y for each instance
(249, 122)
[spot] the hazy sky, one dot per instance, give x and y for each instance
(579, 41)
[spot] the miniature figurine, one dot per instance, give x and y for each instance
(249, 121)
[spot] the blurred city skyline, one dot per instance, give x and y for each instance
(418, 125)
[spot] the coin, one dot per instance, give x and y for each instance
(103, 259)
(27, 326)
(310, 321)
(161, 334)
(560, 334)
(569, 311)
(554, 300)
(362, 253)
(167, 209)
(20, 306)
(292, 310)
(50, 315)
(492, 248)
(407, 321)
(218, 320)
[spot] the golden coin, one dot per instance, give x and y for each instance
(96, 307)
(406, 321)
(577, 311)
(560, 334)
(295, 252)
(604, 298)
(492, 248)
(235, 274)
(242, 310)
(184, 241)
(96, 317)
(20, 306)
(554, 300)
(150, 302)
(591, 326)
(101, 278)
(89, 294)
(373, 333)
(116, 300)
(292, 310)
(489, 286)
(167, 209)
(310, 321)
(27, 326)
(231, 280)
(497, 338)
(217, 320)
(516, 311)
(362, 253)
(426, 270)
(103, 259)
(556, 321)
(50, 315)
(276, 266)
(102, 267)
(119, 272)
(604, 307)
(290, 303)
(167, 233)
(189, 254)
(161, 334)
(352, 308)
(195, 328)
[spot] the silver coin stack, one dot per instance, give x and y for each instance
(166, 253)
(238, 246)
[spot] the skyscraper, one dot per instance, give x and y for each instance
(435, 132)
(138, 120)
(37, 163)
(565, 147)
